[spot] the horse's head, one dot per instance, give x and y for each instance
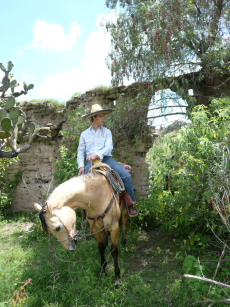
(61, 223)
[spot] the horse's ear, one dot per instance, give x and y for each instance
(37, 207)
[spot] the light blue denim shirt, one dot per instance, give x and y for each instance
(98, 142)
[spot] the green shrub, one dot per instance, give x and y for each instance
(182, 165)
(67, 166)
(7, 187)
(201, 289)
(128, 121)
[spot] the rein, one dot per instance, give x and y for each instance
(106, 210)
(95, 219)
(101, 216)
(113, 178)
(78, 235)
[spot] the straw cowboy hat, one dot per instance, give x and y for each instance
(97, 109)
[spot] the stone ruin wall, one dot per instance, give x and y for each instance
(38, 164)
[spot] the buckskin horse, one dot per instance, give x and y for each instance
(94, 194)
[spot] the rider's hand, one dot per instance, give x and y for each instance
(128, 168)
(81, 171)
(93, 157)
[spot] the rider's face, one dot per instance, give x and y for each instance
(99, 120)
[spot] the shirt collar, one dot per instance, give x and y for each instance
(101, 128)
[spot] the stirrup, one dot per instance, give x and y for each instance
(132, 211)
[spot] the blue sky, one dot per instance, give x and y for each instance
(57, 45)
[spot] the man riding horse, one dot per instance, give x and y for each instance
(96, 143)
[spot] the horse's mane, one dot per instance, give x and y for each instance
(69, 187)
(88, 175)
(82, 177)
(43, 220)
(43, 210)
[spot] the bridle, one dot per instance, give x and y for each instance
(78, 235)
(45, 227)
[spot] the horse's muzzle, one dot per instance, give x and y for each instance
(73, 242)
(72, 245)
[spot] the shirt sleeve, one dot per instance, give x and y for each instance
(108, 146)
(81, 152)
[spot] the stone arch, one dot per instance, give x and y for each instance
(38, 164)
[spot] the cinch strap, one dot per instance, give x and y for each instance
(103, 214)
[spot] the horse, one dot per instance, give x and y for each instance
(93, 193)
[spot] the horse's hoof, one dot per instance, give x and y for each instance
(102, 272)
(118, 284)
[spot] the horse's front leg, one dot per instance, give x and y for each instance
(102, 240)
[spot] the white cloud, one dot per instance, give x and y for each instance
(90, 73)
(27, 77)
(48, 36)
(20, 52)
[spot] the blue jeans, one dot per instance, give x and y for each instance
(124, 174)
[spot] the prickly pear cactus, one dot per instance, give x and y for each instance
(13, 121)
(9, 116)
(6, 124)
(9, 83)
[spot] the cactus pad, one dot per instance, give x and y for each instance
(10, 103)
(10, 66)
(32, 127)
(13, 83)
(3, 113)
(14, 113)
(3, 68)
(21, 118)
(4, 135)
(6, 124)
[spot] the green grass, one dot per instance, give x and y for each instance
(151, 270)
(101, 87)
(76, 94)
(59, 103)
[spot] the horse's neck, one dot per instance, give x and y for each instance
(93, 195)
(76, 193)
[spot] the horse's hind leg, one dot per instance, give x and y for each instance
(114, 253)
(124, 221)
(102, 240)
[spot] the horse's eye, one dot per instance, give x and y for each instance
(58, 228)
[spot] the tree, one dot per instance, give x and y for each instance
(14, 124)
(179, 45)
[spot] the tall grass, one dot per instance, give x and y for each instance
(151, 276)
